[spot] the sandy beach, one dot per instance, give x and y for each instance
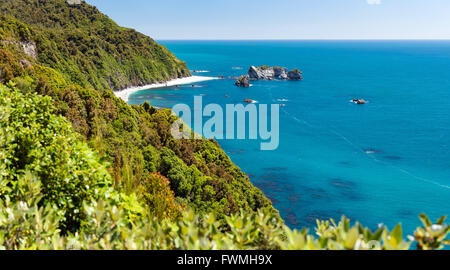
(124, 94)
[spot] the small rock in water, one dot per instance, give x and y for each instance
(359, 101)
(243, 81)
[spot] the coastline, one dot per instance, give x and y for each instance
(125, 93)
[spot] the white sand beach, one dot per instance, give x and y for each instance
(124, 94)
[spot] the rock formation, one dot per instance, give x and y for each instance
(295, 75)
(273, 73)
(280, 73)
(243, 81)
(359, 101)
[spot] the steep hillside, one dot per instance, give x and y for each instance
(90, 49)
(134, 140)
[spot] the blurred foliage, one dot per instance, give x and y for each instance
(26, 225)
(34, 139)
(432, 236)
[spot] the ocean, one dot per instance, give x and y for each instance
(384, 162)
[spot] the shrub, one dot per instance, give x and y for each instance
(35, 140)
(159, 198)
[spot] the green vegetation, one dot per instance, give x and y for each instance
(81, 169)
(134, 140)
(89, 48)
(34, 140)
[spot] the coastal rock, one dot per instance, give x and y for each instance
(280, 73)
(295, 75)
(243, 81)
(256, 73)
(272, 73)
(261, 73)
(359, 101)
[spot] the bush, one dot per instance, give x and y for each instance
(35, 140)
(160, 199)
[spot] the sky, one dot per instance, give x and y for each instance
(282, 19)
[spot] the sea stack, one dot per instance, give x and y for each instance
(243, 81)
(295, 75)
(273, 73)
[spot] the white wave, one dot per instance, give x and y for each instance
(200, 71)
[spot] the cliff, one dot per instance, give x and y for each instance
(91, 49)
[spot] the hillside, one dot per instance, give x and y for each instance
(134, 140)
(90, 49)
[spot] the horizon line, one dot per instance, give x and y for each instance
(304, 39)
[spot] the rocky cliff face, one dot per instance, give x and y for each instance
(272, 73)
(280, 73)
(268, 73)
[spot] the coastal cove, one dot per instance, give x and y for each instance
(125, 93)
(382, 162)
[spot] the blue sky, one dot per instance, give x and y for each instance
(282, 19)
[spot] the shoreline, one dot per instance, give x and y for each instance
(125, 93)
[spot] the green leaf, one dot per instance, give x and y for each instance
(397, 233)
(351, 238)
(441, 220)
(425, 220)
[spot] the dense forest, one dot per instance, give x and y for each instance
(81, 169)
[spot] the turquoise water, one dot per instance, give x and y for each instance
(383, 162)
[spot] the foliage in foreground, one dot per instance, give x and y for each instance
(55, 193)
(25, 225)
(33, 139)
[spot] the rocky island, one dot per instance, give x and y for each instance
(268, 73)
(243, 81)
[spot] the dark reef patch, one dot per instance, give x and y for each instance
(340, 183)
(317, 193)
(291, 219)
(271, 197)
(406, 214)
(238, 151)
(276, 169)
(269, 186)
(346, 188)
(393, 157)
(347, 164)
(294, 198)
